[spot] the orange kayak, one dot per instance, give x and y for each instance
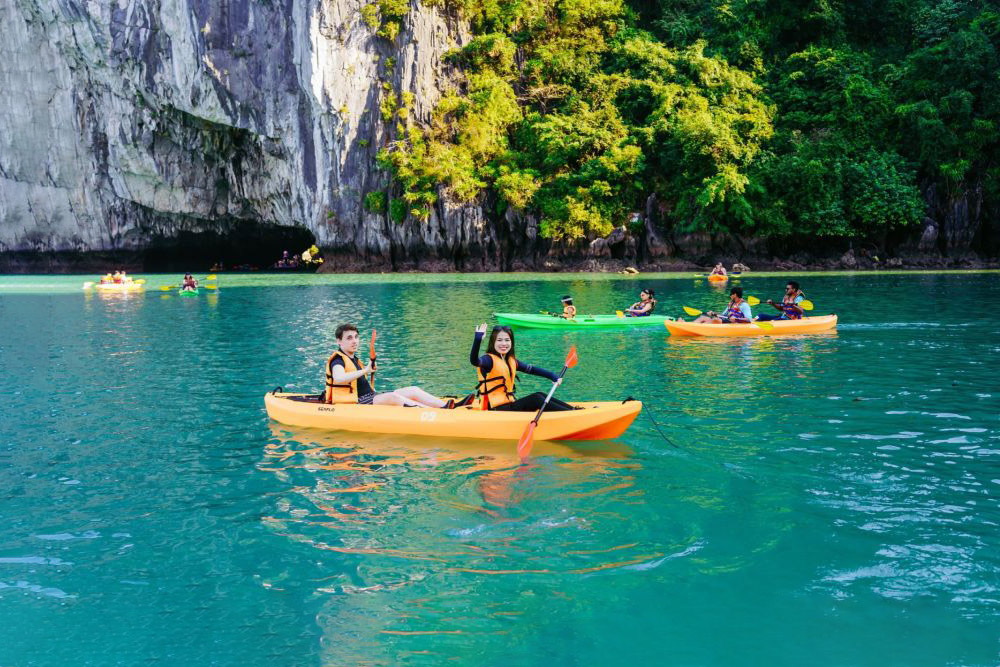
(805, 325)
(715, 278)
(594, 421)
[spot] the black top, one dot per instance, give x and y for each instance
(364, 388)
(485, 362)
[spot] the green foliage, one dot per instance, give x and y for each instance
(778, 118)
(385, 17)
(375, 201)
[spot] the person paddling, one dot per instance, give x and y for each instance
(569, 310)
(789, 308)
(644, 306)
(189, 284)
(719, 270)
(497, 372)
(347, 379)
(738, 311)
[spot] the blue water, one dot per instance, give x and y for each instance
(822, 500)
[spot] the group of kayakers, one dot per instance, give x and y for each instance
(348, 378)
(644, 306)
(739, 311)
(116, 278)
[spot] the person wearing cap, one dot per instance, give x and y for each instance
(644, 306)
(569, 310)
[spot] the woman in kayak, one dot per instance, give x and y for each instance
(644, 306)
(189, 284)
(569, 310)
(789, 308)
(497, 373)
(738, 311)
(719, 270)
(347, 379)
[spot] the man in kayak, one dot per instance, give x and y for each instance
(189, 284)
(347, 379)
(738, 311)
(789, 308)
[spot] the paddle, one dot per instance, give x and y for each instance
(619, 314)
(371, 354)
(527, 438)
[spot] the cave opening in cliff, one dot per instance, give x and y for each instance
(242, 246)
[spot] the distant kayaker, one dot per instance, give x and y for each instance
(738, 311)
(569, 310)
(789, 308)
(189, 284)
(644, 306)
(719, 270)
(497, 373)
(347, 379)
(108, 278)
(117, 278)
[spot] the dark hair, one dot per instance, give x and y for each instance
(492, 347)
(344, 328)
(738, 291)
(650, 292)
(794, 284)
(567, 299)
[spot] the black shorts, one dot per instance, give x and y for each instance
(367, 399)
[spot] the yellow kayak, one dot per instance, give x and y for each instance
(594, 421)
(805, 325)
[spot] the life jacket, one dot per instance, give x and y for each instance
(497, 387)
(341, 393)
(734, 311)
(791, 313)
(569, 311)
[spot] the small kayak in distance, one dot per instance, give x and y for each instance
(716, 278)
(188, 292)
(528, 321)
(805, 325)
(594, 421)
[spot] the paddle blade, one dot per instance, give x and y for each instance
(211, 277)
(571, 358)
(619, 314)
(165, 288)
(140, 281)
(752, 300)
(210, 286)
(371, 346)
(527, 439)
(806, 304)
(766, 326)
(693, 312)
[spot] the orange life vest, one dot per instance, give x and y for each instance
(569, 312)
(497, 387)
(341, 393)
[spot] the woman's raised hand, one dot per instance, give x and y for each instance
(481, 329)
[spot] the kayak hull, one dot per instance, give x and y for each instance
(595, 421)
(717, 279)
(804, 326)
(528, 321)
(107, 287)
(188, 292)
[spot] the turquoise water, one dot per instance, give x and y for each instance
(827, 500)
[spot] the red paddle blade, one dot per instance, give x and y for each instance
(371, 345)
(527, 439)
(571, 357)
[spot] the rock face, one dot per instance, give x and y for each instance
(129, 122)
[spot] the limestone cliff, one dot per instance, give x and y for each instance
(128, 123)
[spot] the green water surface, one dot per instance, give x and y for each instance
(822, 500)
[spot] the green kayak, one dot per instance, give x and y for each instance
(527, 321)
(188, 292)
